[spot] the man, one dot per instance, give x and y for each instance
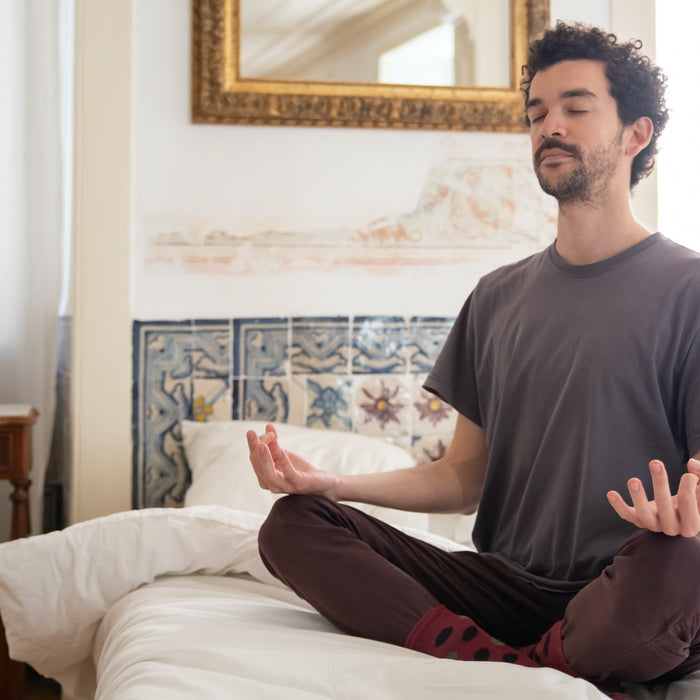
(571, 371)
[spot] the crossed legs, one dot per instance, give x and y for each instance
(639, 620)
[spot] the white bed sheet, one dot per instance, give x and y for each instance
(175, 603)
(230, 637)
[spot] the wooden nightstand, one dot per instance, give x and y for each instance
(16, 423)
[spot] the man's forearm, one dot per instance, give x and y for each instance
(435, 487)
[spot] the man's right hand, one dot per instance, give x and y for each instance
(280, 471)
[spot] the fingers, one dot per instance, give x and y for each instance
(666, 519)
(659, 515)
(621, 508)
(258, 455)
(262, 459)
(672, 515)
(687, 502)
(271, 463)
(694, 466)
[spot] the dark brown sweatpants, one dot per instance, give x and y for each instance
(640, 620)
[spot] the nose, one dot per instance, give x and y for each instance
(553, 125)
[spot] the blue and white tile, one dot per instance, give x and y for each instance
(379, 344)
(261, 347)
(329, 402)
(264, 399)
(169, 357)
(211, 400)
(427, 336)
(320, 345)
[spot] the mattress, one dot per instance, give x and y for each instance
(175, 603)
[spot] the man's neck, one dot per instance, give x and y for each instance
(590, 233)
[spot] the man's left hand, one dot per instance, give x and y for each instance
(672, 515)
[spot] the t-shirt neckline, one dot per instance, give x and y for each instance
(596, 268)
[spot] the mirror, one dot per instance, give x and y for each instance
(415, 64)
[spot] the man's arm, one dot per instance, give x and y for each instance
(672, 515)
(451, 484)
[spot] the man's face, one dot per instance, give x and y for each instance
(575, 131)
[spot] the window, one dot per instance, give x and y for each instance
(427, 59)
(679, 156)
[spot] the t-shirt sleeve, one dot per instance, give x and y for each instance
(689, 395)
(453, 377)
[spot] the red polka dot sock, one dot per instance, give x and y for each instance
(447, 635)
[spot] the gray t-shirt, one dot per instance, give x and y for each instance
(579, 376)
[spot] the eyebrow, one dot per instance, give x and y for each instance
(576, 92)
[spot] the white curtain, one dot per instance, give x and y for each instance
(35, 195)
(679, 173)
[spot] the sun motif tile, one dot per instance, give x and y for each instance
(320, 345)
(379, 344)
(430, 415)
(382, 405)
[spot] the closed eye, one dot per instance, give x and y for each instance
(535, 118)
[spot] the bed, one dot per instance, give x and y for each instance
(174, 603)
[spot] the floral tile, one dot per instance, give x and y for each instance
(430, 415)
(382, 405)
(326, 401)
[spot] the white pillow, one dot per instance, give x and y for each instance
(217, 453)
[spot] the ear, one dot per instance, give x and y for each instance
(639, 134)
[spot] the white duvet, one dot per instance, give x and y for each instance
(169, 604)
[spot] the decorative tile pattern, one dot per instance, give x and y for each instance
(379, 344)
(361, 374)
(323, 401)
(181, 370)
(427, 336)
(320, 345)
(382, 405)
(261, 347)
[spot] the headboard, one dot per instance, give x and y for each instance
(361, 374)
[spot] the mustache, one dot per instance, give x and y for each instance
(556, 143)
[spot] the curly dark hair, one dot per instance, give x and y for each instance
(636, 84)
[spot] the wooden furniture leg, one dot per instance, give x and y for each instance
(15, 464)
(11, 672)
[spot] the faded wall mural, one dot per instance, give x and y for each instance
(466, 205)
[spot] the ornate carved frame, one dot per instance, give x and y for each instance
(221, 96)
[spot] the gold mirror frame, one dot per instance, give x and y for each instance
(221, 96)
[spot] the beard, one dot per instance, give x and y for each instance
(588, 180)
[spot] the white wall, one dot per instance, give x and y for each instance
(305, 177)
(139, 157)
(101, 362)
